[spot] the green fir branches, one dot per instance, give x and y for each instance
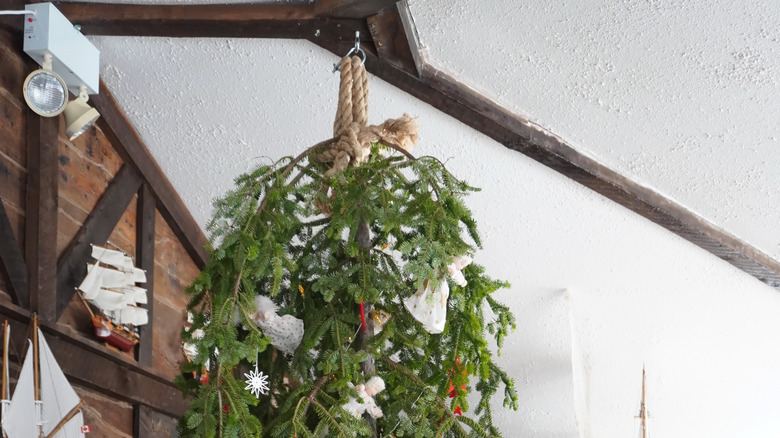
(319, 247)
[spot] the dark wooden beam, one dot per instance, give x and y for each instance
(351, 8)
(96, 229)
(459, 101)
(12, 262)
(144, 237)
(131, 148)
(391, 40)
(41, 213)
(91, 365)
(209, 21)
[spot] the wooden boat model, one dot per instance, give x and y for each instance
(43, 404)
(110, 285)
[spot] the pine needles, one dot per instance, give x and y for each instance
(319, 247)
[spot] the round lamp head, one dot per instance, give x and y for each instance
(78, 117)
(45, 93)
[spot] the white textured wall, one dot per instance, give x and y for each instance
(209, 109)
(681, 96)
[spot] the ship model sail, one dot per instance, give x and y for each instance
(110, 285)
(43, 404)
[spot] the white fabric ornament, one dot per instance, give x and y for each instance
(285, 331)
(365, 401)
(430, 306)
(454, 268)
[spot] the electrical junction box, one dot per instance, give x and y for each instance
(74, 58)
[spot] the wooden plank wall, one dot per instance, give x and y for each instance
(86, 167)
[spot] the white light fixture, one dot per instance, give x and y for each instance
(69, 61)
(45, 91)
(78, 115)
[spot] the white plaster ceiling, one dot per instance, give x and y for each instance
(680, 96)
(209, 109)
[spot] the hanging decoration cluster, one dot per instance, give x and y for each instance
(348, 268)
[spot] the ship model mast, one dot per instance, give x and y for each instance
(643, 407)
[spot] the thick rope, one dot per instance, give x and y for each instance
(351, 125)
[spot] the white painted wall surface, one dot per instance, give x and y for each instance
(680, 96)
(708, 333)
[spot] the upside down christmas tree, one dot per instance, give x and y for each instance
(340, 298)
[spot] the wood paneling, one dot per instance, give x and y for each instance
(351, 8)
(212, 21)
(391, 41)
(107, 417)
(91, 365)
(144, 259)
(133, 151)
(96, 230)
(150, 423)
(41, 213)
(12, 262)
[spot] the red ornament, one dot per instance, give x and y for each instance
(363, 316)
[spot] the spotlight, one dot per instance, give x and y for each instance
(45, 91)
(78, 115)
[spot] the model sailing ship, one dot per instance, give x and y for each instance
(643, 415)
(43, 404)
(110, 285)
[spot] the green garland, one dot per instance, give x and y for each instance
(269, 237)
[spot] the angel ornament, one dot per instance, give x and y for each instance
(285, 331)
(430, 306)
(365, 401)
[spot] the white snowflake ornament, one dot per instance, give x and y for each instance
(256, 382)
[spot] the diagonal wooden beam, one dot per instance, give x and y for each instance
(484, 115)
(12, 262)
(91, 365)
(459, 101)
(96, 229)
(131, 148)
(209, 21)
(392, 40)
(351, 8)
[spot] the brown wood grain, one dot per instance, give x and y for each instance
(464, 104)
(12, 264)
(96, 229)
(391, 41)
(212, 21)
(90, 365)
(41, 213)
(144, 259)
(351, 8)
(149, 423)
(108, 418)
(131, 148)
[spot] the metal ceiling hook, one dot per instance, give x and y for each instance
(354, 50)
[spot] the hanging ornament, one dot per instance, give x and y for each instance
(256, 381)
(430, 306)
(454, 269)
(363, 316)
(285, 331)
(365, 401)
